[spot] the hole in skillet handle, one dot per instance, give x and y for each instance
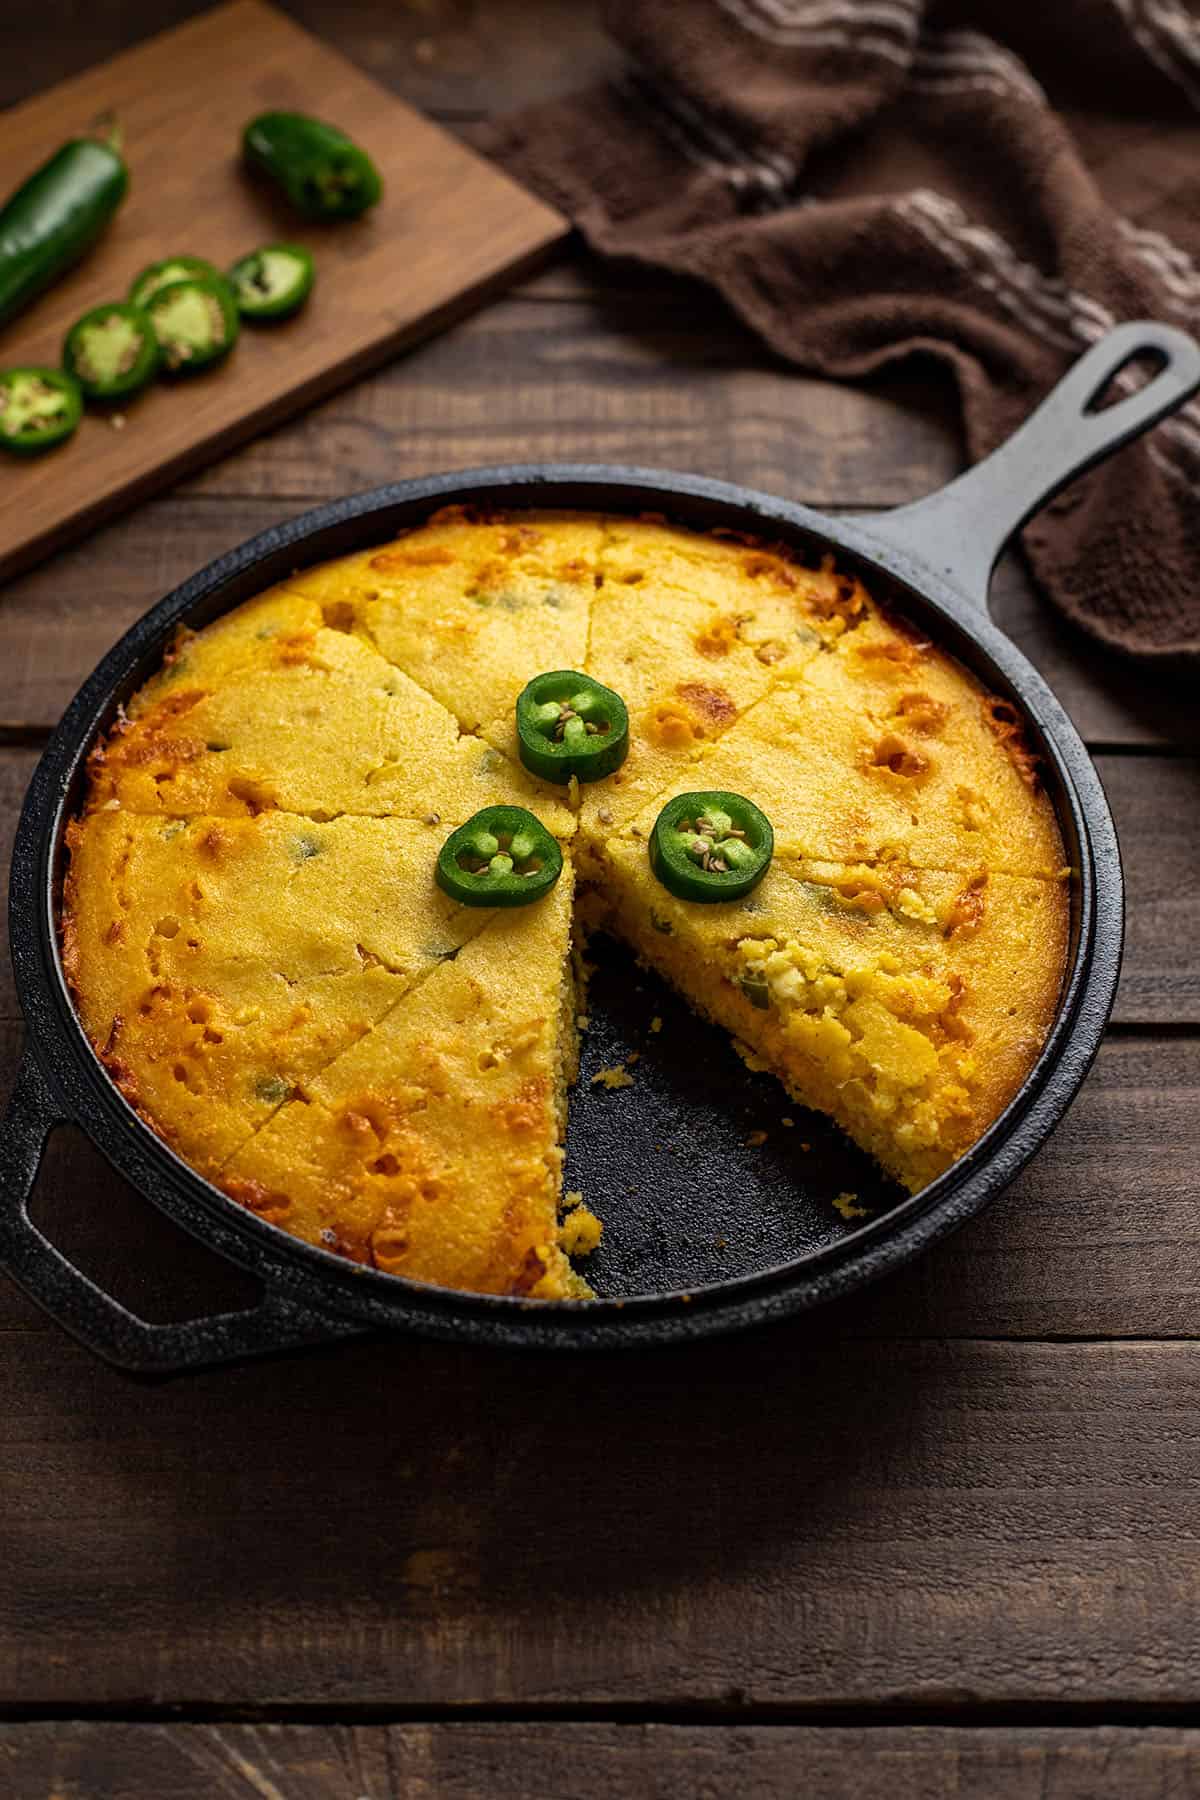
(94, 1317)
(959, 532)
(1136, 373)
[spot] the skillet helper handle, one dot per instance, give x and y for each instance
(94, 1317)
(959, 532)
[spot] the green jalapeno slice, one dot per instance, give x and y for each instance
(39, 408)
(502, 856)
(158, 275)
(711, 847)
(567, 724)
(274, 282)
(195, 321)
(111, 351)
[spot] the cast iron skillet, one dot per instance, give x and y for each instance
(689, 1254)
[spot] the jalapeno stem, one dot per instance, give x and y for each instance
(106, 129)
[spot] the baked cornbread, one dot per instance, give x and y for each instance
(221, 961)
(908, 1004)
(401, 1148)
(263, 960)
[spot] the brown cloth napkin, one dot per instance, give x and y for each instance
(993, 181)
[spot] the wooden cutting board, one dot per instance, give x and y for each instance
(449, 228)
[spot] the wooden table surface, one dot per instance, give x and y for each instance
(938, 1540)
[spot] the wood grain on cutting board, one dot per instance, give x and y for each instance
(448, 228)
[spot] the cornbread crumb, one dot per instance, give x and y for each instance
(846, 1204)
(756, 1138)
(612, 1078)
(788, 1122)
(655, 1024)
(913, 906)
(581, 1230)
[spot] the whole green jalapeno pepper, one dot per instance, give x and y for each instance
(56, 215)
(502, 856)
(323, 172)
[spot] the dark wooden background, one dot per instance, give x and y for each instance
(940, 1540)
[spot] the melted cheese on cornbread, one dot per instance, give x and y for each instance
(262, 959)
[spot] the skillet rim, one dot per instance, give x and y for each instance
(87, 1096)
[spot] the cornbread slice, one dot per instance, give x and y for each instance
(218, 962)
(691, 631)
(472, 604)
(909, 1004)
(952, 754)
(271, 707)
(836, 783)
(433, 1147)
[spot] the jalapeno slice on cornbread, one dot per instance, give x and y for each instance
(502, 856)
(569, 725)
(711, 847)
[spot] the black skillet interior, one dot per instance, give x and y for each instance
(705, 1191)
(738, 1178)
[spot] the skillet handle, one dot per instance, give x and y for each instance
(93, 1316)
(959, 532)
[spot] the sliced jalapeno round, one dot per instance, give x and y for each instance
(711, 847)
(39, 408)
(567, 724)
(274, 282)
(111, 351)
(158, 275)
(502, 856)
(195, 321)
